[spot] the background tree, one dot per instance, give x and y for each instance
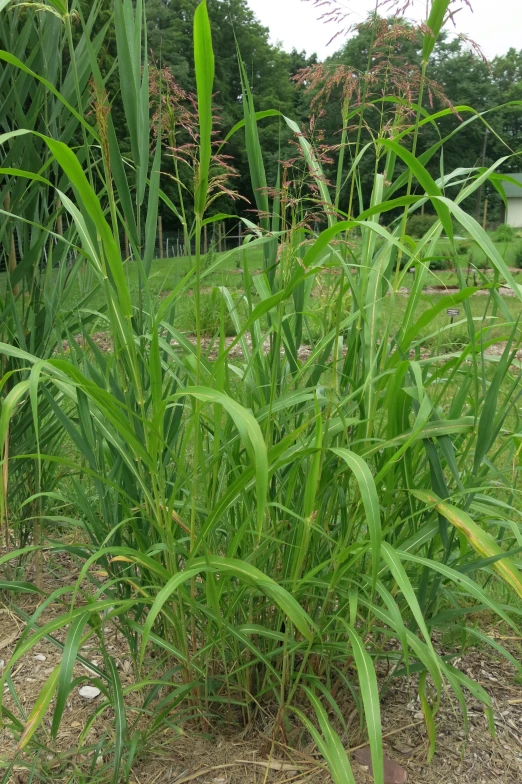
(269, 69)
(383, 58)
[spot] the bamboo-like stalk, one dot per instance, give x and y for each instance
(273, 524)
(11, 264)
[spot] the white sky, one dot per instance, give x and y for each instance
(494, 24)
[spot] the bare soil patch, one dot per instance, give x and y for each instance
(254, 754)
(473, 759)
(504, 291)
(210, 346)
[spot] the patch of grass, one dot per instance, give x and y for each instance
(270, 520)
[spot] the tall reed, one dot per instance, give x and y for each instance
(272, 526)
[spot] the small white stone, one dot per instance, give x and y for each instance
(2, 664)
(89, 692)
(40, 657)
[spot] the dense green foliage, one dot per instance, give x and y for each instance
(269, 70)
(456, 77)
(459, 76)
(264, 520)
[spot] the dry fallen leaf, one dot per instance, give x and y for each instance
(271, 765)
(402, 748)
(8, 640)
(393, 772)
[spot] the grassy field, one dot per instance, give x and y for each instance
(227, 270)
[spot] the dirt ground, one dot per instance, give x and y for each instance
(477, 759)
(254, 756)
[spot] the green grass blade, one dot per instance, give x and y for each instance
(471, 587)
(370, 696)
(120, 715)
(370, 501)
(69, 655)
(204, 65)
(392, 558)
(433, 27)
(251, 434)
(151, 223)
(241, 570)
(253, 146)
(428, 716)
(327, 741)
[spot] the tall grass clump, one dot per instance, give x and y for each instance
(264, 528)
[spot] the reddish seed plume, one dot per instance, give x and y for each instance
(390, 75)
(336, 14)
(101, 109)
(175, 116)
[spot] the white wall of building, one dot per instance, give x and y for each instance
(514, 213)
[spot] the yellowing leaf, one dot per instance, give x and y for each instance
(479, 539)
(40, 708)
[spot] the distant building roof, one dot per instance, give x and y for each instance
(513, 191)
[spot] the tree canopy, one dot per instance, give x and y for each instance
(381, 58)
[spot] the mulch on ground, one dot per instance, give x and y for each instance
(254, 755)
